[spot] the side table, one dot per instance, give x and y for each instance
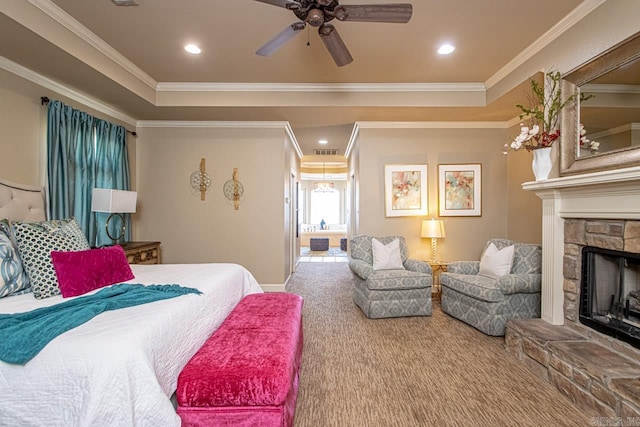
(437, 267)
(142, 252)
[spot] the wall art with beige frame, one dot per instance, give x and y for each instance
(460, 189)
(405, 190)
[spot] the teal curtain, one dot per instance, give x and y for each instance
(83, 153)
(70, 169)
(112, 171)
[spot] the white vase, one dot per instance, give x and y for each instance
(542, 163)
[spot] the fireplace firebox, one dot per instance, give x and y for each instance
(610, 293)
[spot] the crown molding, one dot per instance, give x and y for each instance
(577, 14)
(210, 124)
(71, 24)
(432, 125)
(629, 127)
(319, 87)
(609, 88)
(293, 139)
(47, 83)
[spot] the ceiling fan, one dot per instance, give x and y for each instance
(318, 13)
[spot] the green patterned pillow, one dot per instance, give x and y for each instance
(13, 278)
(36, 241)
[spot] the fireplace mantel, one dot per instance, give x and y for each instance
(613, 194)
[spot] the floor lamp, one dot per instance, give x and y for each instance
(115, 202)
(433, 229)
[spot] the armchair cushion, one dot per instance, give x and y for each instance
(396, 279)
(386, 257)
(496, 262)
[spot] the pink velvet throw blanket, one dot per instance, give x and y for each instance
(247, 371)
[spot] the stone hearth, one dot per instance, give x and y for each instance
(600, 381)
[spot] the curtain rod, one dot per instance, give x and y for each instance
(45, 100)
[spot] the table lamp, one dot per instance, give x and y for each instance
(433, 229)
(115, 202)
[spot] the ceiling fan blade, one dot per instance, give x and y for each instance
(334, 44)
(278, 41)
(288, 4)
(395, 13)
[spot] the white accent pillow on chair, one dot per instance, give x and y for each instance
(386, 257)
(496, 263)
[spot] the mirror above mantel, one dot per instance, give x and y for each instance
(610, 114)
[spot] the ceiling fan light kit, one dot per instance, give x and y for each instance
(318, 13)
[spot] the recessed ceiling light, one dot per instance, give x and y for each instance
(323, 142)
(446, 49)
(192, 48)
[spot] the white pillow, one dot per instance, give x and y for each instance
(386, 257)
(496, 263)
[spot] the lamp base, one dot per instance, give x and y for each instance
(434, 250)
(122, 228)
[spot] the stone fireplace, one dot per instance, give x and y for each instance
(610, 293)
(599, 372)
(601, 265)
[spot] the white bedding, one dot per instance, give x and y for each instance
(121, 367)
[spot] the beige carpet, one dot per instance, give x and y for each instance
(420, 371)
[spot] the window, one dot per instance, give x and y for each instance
(325, 205)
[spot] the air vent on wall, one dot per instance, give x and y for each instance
(125, 2)
(325, 152)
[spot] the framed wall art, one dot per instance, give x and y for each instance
(460, 189)
(405, 190)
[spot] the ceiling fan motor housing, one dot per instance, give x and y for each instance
(313, 12)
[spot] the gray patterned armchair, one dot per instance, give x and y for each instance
(487, 303)
(389, 293)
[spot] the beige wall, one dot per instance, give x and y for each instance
(255, 236)
(524, 207)
(465, 235)
(23, 124)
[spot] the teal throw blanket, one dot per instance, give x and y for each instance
(23, 335)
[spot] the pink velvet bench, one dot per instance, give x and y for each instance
(246, 373)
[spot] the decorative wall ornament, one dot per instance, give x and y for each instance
(200, 180)
(233, 190)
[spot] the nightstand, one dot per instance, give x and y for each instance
(438, 267)
(142, 252)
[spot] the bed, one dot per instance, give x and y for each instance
(121, 367)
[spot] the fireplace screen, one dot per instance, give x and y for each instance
(610, 293)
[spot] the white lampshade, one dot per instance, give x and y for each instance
(113, 201)
(433, 228)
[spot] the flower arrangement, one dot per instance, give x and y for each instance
(586, 143)
(540, 127)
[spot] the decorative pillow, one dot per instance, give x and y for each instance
(386, 257)
(496, 263)
(13, 278)
(83, 271)
(36, 241)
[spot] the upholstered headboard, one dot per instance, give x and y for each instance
(22, 202)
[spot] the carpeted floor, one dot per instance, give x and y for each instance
(418, 371)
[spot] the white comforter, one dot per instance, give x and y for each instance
(121, 367)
